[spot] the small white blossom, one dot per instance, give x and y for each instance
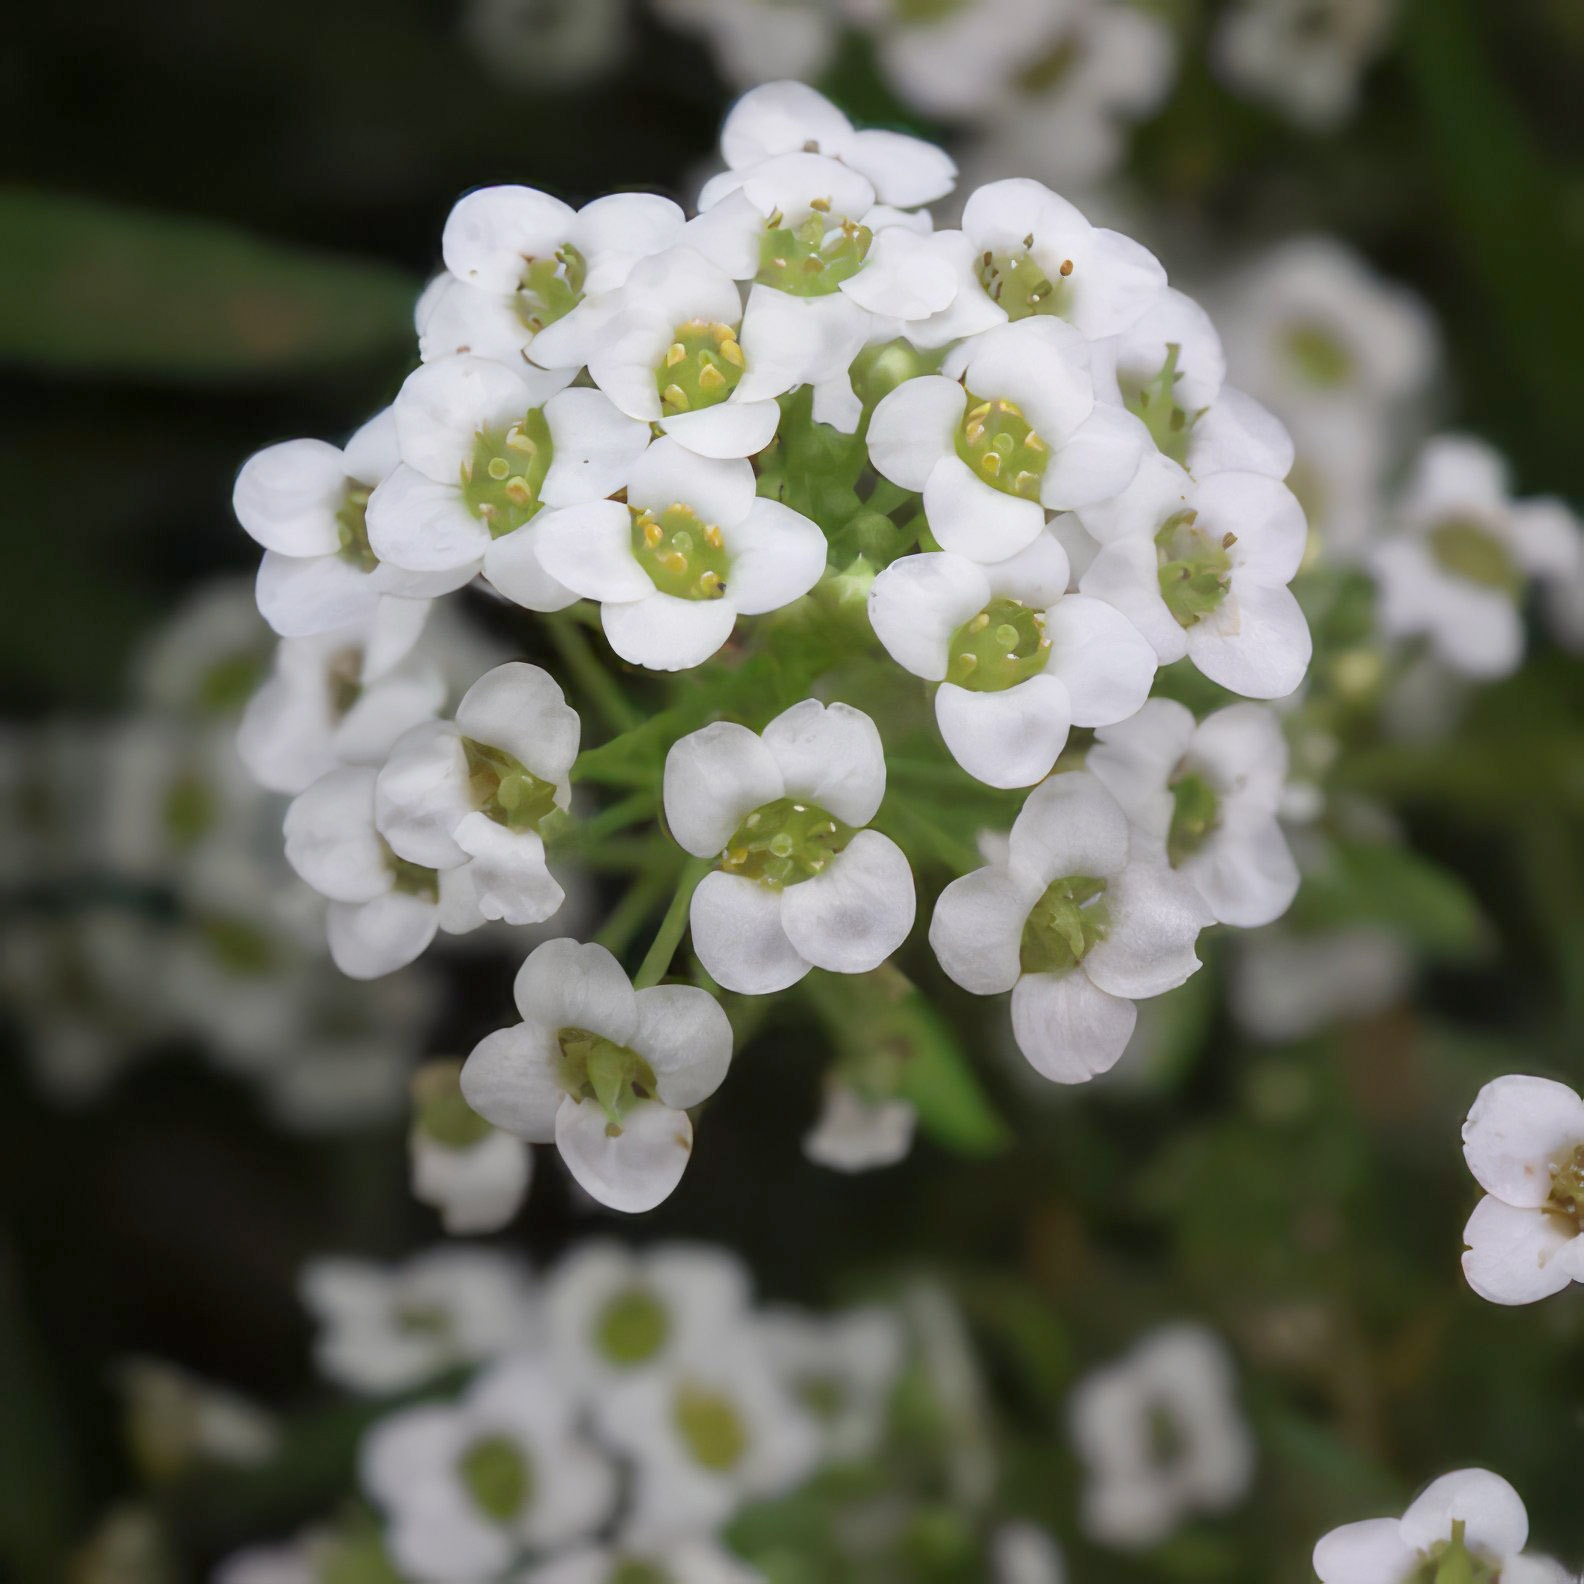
(679, 1562)
(605, 1071)
(204, 661)
(1524, 1142)
(1287, 984)
(1207, 793)
(692, 548)
(475, 1175)
(548, 44)
(758, 41)
(1138, 1491)
(855, 1133)
(1077, 922)
(1025, 1554)
(175, 1419)
(383, 1329)
(801, 882)
(473, 792)
(467, 1486)
(1019, 660)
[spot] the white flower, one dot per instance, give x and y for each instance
(1303, 59)
(1138, 1491)
(306, 503)
(384, 911)
(854, 1132)
(472, 792)
(605, 1071)
(466, 1486)
(383, 1329)
(1201, 568)
(1524, 1142)
(1470, 1524)
(1170, 356)
(484, 445)
(801, 883)
(842, 1368)
(788, 117)
(1562, 597)
(1455, 568)
(475, 1175)
(1287, 984)
(528, 276)
(615, 1314)
(1207, 795)
(1025, 1554)
(339, 698)
(548, 44)
(1010, 428)
(175, 1419)
(757, 41)
(681, 1562)
(715, 1430)
(1075, 923)
(1019, 660)
(206, 659)
(691, 549)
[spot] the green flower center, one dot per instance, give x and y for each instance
(1052, 69)
(354, 1559)
(591, 1067)
(439, 1110)
(1017, 283)
(917, 12)
(1066, 921)
(551, 288)
(497, 1477)
(352, 529)
(1000, 445)
(629, 1571)
(1003, 645)
(711, 1428)
(632, 1327)
(701, 367)
(683, 555)
(825, 1396)
(1451, 1562)
(502, 480)
(1318, 356)
(1167, 1440)
(427, 1320)
(411, 879)
(1567, 1189)
(1196, 810)
(814, 258)
(502, 788)
(1154, 403)
(239, 946)
(1469, 550)
(784, 843)
(228, 684)
(1195, 571)
(191, 810)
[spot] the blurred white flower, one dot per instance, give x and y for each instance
(204, 661)
(475, 1175)
(854, 1132)
(1025, 1554)
(547, 44)
(842, 1368)
(801, 882)
(758, 41)
(175, 1419)
(1162, 1436)
(680, 1562)
(1287, 984)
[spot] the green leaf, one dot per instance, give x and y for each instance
(95, 286)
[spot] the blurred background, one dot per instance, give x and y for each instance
(215, 221)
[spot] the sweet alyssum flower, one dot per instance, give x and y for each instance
(1286, 984)
(1524, 1142)
(528, 276)
(1025, 1554)
(474, 1174)
(475, 790)
(1201, 566)
(855, 1132)
(467, 1486)
(1470, 1525)
(1162, 1436)
(756, 41)
(801, 883)
(1009, 428)
(682, 1562)
(691, 548)
(605, 1071)
(1019, 659)
(1207, 794)
(1075, 922)
(484, 446)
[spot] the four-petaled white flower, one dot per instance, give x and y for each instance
(467, 1486)
(1524, 1142)
(1207, 795)
(1077, 922)
(801, 883)
(474, 1174)
(606, 1072)
(475, 790)
(1009, 428)
(691, 549)
(1019, 659)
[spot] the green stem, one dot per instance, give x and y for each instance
(602, 689)
(613, 760)
(669, 936)
(629, 810)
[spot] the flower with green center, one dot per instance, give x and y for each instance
(683, 555)
(632, 1327)
(501, 481)
(1155, 402)
(497, 1476)
(1018, 285)
(1000, 445)
(592, 1067)
(813, 258)
(784, 843)
(1319, 356)
(1196, 811)
(1468, 549)
(1003, 645)
(551, 287)
(472, 1173)
(352, 542)
(439, 1111)
(710, 1428)
(701, 367)
(504, 789)
(1069, 917)
(1195, 568)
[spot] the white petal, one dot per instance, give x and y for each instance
(853, 1134)
(634, 1169)
(789, 341)
(729, 429)
(589, 549)
(616, 231)
(1101, 659)
(1068, 825)
(737, 933)
(919, 601)
(1037, 576)
(1371, 1552)
(1010, 738)
(713, 778)
(974, 519)
(422, 526)
(1136, 757)
(1256, 642)
(686, 1038)
(1156, 916)
(493, 233)
(1042, 364)
(508, 871)
(300, 596)
(1264, 515)
(564, 984)
(1126, 574)
(665, 633)
(1243, 751)
(1247, 877)
(1239, 435)
(512, 565)
(371, 939)
(777, 118)
(476, 1190)
(977, 930)
(287, 497)
(386, 710)
(1517, 1129)
(455, 319)
(521, 708)
(509, 1079)
(906, 171)
(1096, 462)
(777, 556)
(373, 452)
(1070, 1031)
(1512, 1254)
(594, 447)
(1489, 1507)
(905, 276)
(832, 755)
(911, 429)
(721, 491)
(623, 359)
(422, 794)
(330, 837)
(853, 915)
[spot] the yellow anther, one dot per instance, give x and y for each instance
(979, 413)
(674, 562)
(1028, 241)
(675, 396)
(732, 352)
(972, 432)
(518, 491)
(710, 377)
(1032, 442)
(1228, 540)
(1066, 267)
(712, 537)
(1025, 482)
(675, 355)
(820, 205)
(722, 333)
(710, 582)
(653, 533)
(520, 441)
(966, 662)
(979, 623)
(990, 463)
